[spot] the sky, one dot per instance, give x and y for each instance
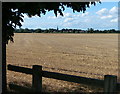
(102, 16)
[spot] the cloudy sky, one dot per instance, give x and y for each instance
(101, 16)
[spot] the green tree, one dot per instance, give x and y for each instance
(38, 31)
(90, 30)
(26, 30)
(21, 30)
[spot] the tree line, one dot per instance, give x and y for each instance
(89, 30)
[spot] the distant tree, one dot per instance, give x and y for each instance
(73, 31)
(21, 30)
(96, 31)
(118, 31)
(38, 31)
(51, 30)
(112, 30)
(105, 31)
(26, 30)
(46, 31)
(90, 30)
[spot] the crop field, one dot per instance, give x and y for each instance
(87, 55)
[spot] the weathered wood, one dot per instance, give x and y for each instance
(72, 78)
(110, 83)
(118, 87)
(37, 78)
(19, 69)
(60, 76)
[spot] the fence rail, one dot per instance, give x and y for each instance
(109, 83)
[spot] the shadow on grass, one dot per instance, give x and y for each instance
(46, 89)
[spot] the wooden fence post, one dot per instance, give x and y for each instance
(37, 78)
(110, 83)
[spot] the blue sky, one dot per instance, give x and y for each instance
(101, 16)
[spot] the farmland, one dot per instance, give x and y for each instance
(87, 55)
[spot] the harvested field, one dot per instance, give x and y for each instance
(87, 55)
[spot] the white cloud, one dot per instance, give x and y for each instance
(102, 11)
(108, 14)
(51, 17)
(68, 20)
(113, 10)
(25, 16)
(54, 17)
(87, 20)
(85, 14)
(81, 15)
(106, 17)
(66, 25)
(67, 15)
(114, 20)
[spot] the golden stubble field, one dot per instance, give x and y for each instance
(87, 55)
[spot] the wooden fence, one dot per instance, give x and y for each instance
(109, 84)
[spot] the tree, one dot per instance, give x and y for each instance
(90, 30)
(13, 12)
(21, 30)
(38, 31)
(26, 30)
